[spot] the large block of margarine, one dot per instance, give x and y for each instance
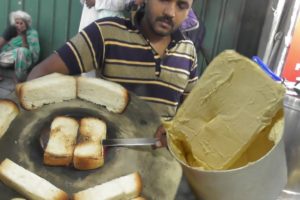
(231, 104)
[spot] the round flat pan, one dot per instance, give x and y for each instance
(160, 172)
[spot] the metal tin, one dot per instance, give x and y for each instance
(263, 179)
(292, 147)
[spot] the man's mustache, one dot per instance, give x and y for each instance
(166, 19)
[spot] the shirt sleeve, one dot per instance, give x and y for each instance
(85, 51)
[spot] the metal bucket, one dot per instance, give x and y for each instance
(263, 179)
(292, 146)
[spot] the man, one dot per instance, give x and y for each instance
(149, 56)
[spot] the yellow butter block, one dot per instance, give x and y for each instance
(231, 104)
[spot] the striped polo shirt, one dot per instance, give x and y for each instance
(117, 49)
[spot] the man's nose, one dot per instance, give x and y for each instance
(170, 10)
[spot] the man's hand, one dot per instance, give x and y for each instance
(162, 137)
(10, 32)
(90, 3)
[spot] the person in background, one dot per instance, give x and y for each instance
(148, 55)
(97, 9)
(19, 45)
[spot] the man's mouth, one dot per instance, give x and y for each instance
(165, 23)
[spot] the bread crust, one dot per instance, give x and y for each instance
(9, 117)
(18, 88)
(50, 159)
(126, 99)
(10, 103)
(20, 94)
(88, 162)
(138, 181)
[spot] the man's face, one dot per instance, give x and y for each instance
(165, 16)
(20, 25)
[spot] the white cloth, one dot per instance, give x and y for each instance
(113, 5)
(102, 8)
(7, 59)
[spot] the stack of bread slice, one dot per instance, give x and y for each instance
(55, 88)
(63, 149)
(62, 141)
(8, 112)
(88, 153)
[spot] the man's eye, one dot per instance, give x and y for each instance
(183, 6)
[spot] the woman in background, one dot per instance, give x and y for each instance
(19, 45)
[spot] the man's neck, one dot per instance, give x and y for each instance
(159, 43)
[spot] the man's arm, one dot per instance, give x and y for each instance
(51, 64)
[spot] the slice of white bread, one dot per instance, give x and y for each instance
(62, 141)
(88, 153)
(29, 184)
(42, 78)
(123, 188)
(105, 93)
(8, 112)
(48, 89)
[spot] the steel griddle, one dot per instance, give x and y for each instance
(160, 172)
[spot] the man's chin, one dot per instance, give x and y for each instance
(163, 33)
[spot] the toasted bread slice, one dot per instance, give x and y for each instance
(8, 112)
(88, 153)
(123, 188)
(48, 89)
(29, 184)
(105, 93)
(62, 141)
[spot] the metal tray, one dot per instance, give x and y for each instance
(160, 172)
